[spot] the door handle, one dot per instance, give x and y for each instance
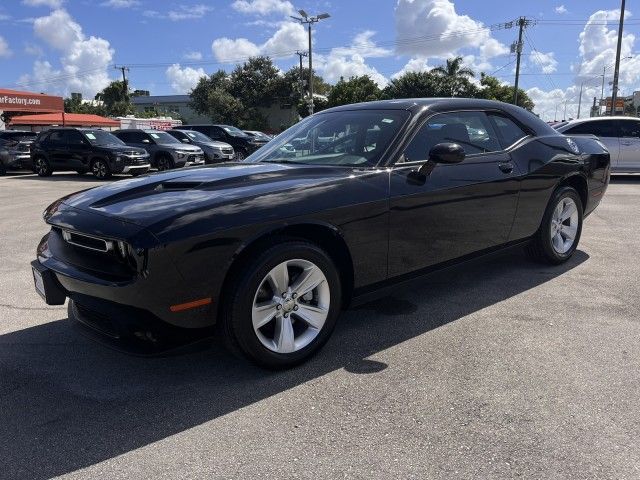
(506, 167)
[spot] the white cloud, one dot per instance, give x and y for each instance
(346, 62)
(183, 80)
(120, 3)
(43, 3)
(289, 37)
(33, 49)
(264, 7)
(227, 50)
(58, 29)
(561, 9)
(40, 79)
(5, 51)
(85, 61)
(546, 61)
(182, 12)
(193, 56)
(444, 30)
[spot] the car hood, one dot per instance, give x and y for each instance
(183, 147)
(214, 144)
(122, 149)
(166, 199)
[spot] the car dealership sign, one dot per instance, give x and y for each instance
(16, 101)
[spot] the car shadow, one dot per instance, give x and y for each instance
(68, 403)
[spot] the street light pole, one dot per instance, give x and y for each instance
(580, 99)
(616, 71)
(305, 19)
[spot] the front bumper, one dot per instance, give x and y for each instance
(136, 168)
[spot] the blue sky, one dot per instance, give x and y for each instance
(59, 46)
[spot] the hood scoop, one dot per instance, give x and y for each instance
(145, 190)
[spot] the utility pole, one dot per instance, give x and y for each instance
(523, 23)
(305, 19)
(564, 117)
(616, 71)
(604, 72)
(125, 88)
(301, 54)
(580, 99)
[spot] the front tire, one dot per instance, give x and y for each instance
(240, 155)
(559, 234)
(100, 169)
(42, 167)
(164, 163)
(281, 306)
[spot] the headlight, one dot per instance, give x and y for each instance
(181, 154)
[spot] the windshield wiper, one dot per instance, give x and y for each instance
(283, 160)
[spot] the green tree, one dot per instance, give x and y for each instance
(493, 89)
(115, 98)
(455, 76)
(415, 85)
(354, 90)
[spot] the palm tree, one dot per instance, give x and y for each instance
(454, 74)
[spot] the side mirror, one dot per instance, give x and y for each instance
(146, 140)
(446, 153)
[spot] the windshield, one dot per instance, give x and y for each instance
(354, 138)
(100, 137)
(260, 136)
(163, 137)
(236, 132)
(197, 136)
(17, 136)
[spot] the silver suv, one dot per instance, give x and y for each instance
(621, 136)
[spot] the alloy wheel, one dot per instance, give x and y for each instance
(41, 167)
(239, 155)
(564, 225)
(291, 306)
(163, 164)
(99, 169)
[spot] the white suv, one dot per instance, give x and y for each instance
(621, 136)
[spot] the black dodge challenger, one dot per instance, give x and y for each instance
(268, 251)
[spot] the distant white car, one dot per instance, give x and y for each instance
(621, 136)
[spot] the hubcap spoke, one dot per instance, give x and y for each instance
(279, 278)
(313, 316)
(309, 279)
(284, 336)
(568, 211)
(263, 314)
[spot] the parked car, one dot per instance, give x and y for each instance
(259, 135)
(166, 151)
(83, 150)
(15, 148)
(243, 144)
(271, 249)
(621, 136)
(214, 152)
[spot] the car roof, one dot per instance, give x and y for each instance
(442, 104)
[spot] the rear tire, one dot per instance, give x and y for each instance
(100, 169)
(252, 297)
(42, 167)
(557, 238)
(240, 155)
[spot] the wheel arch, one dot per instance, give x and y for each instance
(579, 183)
(323, 235)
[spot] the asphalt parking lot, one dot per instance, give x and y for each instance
(504, 369)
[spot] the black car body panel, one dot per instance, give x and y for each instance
(186, 228)
(70, 149)
(241, 142)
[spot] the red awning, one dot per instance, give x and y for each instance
(70, 119)
(17, 101)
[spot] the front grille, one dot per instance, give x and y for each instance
(134, 161)
(86, 241)
(194, 158)
(227, 151)
(24, 147)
